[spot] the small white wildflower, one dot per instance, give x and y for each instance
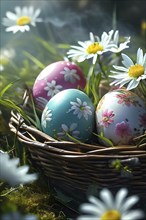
(92, 48)
(108, 208)
(11, 173)
(118, 47)
(1, 68)
(131, 73)
(6, 55)
(21, 19)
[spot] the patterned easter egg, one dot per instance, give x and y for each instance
(121, 116)
(69, 115)
(55, 78)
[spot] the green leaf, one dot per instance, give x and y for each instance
(10, 104)
(47, 45)
(7, 88)
(34, 60)
(104, 139)
(37, 123)
(63, 46)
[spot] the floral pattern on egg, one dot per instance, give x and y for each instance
(121, 116)
(81, 109)
(47, 116)
(67, 131)
(52, 89)
(123, 130)
(54, 78)
(127, 99)
(70, 75)
(107, 118)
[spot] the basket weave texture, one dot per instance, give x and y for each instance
(76, 166)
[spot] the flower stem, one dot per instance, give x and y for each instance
(101, 68)
(142, 89)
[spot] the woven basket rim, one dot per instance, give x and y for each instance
(67, 146)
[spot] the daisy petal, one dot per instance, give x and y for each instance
(91, 209)
(132, 200)
(107, 197)
(88, 218)
(127, 61)
(134, 215)
(120, 68)
(37, 13)
(18, 11)
(97, 202)
(139, 56)
(133, 84)
(11, 15)
(120, 196)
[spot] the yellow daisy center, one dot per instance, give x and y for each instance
(136, 70)
(94, 48)
(111, 215)
(105, 119)
(23, 20)
(82, 108)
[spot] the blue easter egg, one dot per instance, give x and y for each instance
(69, 115)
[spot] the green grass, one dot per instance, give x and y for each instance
(35, 199)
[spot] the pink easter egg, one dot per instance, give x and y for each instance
(54, 78)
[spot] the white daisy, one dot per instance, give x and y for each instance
(11, 173)
(119, 46)
(1, 68)
(6, 55)
(46, 116)
(108, 208)
(21, 19)
(81, 109)
(52, 88)
(92, 48)
(69, 130)
(70, 75)
(131, 73)
(18, 216)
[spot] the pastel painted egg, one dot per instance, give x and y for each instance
(55, 78)
(69, 115)
(121, 116)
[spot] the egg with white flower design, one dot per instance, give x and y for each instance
(69, 115)
(55, 78)
(120, 116)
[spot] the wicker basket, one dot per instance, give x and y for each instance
(73, 167)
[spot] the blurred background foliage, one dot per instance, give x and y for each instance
(66, 22)
(24, 55)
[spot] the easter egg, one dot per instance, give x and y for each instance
(121, 116)
(69, 115)
(55, 78)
